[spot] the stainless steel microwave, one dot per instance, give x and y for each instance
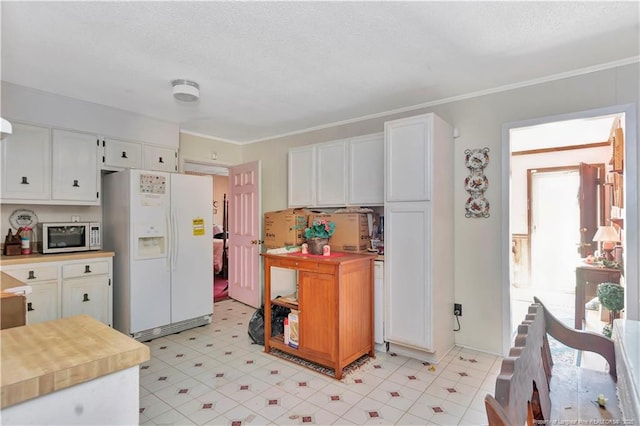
(65, 237)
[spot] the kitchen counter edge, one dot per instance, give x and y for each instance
(39, 257)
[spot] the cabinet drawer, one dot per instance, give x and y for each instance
(34, 274)
(85, 269)
(305, 265)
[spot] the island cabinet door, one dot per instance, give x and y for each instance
(318, 315)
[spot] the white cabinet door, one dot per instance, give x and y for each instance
(88, 296)
(301, 187)
(26, 160)
(408, 316)
(42, 303)
(159, 158)
(408, 158)
(366, 170)
(120, 154)
(75, 172)
(331, 183)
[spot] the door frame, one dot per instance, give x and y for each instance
(632, 250)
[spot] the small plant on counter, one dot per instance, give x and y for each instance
(320, 228)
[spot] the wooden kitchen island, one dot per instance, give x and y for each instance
(334, 304)
(73, 370)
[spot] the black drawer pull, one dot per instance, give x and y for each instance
(124, 154)
(24, 181)
(86, 298)
(160, 160)
(75, 183)
(87, 269)
(30, 307)
(32, 275)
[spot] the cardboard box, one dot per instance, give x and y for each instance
(284, 228)
(352, 231)
(13, 310)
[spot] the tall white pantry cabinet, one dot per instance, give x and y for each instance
(418, 236)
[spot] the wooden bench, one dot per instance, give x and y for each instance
(531, 390)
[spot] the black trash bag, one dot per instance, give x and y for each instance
(256, 326)
(278, 314)
(256, 323)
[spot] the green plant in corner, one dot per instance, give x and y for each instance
(320, 228)
(611, 296)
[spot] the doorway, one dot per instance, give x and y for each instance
(554, 228)
(517, 246)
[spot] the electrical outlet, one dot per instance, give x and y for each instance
(457, 309)
(75, 218)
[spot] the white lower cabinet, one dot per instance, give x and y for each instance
(42, 303)
(63, 288)
(88, 296)
(85, 289)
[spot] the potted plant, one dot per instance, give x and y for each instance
(318, 234)
(611, 296)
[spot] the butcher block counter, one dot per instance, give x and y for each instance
(46, 358)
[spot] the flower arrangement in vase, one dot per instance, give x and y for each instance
(318, 234)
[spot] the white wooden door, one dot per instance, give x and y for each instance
(120, 154)
(301, 178)
(366, 170)
(74, 170)
(160, 158)
(88, 296)
(407, 266)
(408, 158)
(244, 233)
(331, 166)
(42, 303)
(26, 163)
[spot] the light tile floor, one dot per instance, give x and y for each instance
(215, 375)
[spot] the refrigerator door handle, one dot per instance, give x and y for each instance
(175, 239)
(169, 244)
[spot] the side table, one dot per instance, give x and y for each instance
(592, 276)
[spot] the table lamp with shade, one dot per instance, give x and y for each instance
(608, 236)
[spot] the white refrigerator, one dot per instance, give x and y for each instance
(159, 226)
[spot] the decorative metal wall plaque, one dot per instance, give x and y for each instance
(476, 183)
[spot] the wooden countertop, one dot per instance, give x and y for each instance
(39, 257)
(42, 358)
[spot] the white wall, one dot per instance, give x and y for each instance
(25, 104)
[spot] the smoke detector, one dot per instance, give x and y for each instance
(186, 90)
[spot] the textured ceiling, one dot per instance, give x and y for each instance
(273, 68)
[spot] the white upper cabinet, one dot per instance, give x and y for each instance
(408, 154)
(119, 154)
(301, 187)
(75, 173)
(26, 162)
(331, 182)
(366, 170)
(161, 159)
(338, 173)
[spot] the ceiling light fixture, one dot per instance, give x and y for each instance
(185, 90)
